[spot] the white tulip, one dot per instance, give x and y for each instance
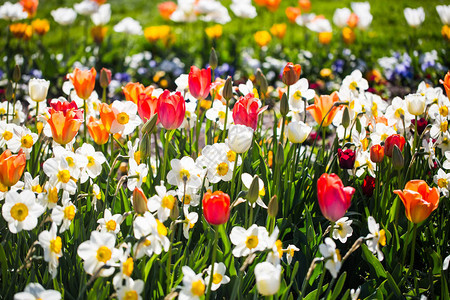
(341, 16)
(267, 278)
(64, 16)
(298, 132)
(86, 8)
(414, 17)
(240, 138)
(129, 26)
(102, 16)
(444, 13)
(38, 89)
(12, 12)
(415, 104)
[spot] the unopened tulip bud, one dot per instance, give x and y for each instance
(397, 158)
(9, 91)
(264, 86)
(145, 146)
(38, 89)
(105, 77)
(227, 92)
(213, 61)
(272, 209)
(310, 235)
(284, 105)
(291, 73)
(174, 212)
(279, 158)
(253, 191)
(358, 125)
(139, 201)
(258, 76)
(150, 125)
(346, 117)
(16, 74)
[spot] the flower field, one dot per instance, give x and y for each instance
(233, 149)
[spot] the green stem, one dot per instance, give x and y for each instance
(166, 148)
(233, 181)
(413, 249)
(319, 288)
(213, 261)
(224, 133)
(169, 260)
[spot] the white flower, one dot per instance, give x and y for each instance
(319, 25)
(86, 8)
(98, 252)
(102, 16)
(397, 112)
(64, 215)
(414, 17)
(247, 180)
(215, 158)
(298, 132)
(6, 130)
(52, 248)
(59, 175)
(341, 16)
(355, 82)
(240, 138)
(184, 169)
(332, 256)
(138, 174)
(131, 290)
(12, 12)
(23, 139)
(290, 251)
(163, 202)
(129, 26)
(110, 223)
(248, 88)
(191, 219)
(64, 16)
(415, 104)
(155, 234)
(126, 118)
(442, 180)
(268, 278)
(193, 285)
(38, 89)
(243, 9)
(355, 294)
(444, 13)
(95, 159)
(217, 114)
(248, 240)
(342, 229)
(35, 291)
(298, 93)
(446, 263)
(31, 183)
(362, 10)
(21, 210)
(190, 198)
(375, 238)
(126, 267)
(219, 276)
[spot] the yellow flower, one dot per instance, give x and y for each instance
(155, 33)
(214, 32)
(278, 30)
(41, 26)
(348, 35)
(446, 32)
(262, 38)
(325, 37)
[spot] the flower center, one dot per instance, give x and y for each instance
(353, 85)
(222, 169)
(70, 161)
(183, 173)
(63, 176)
(187, 199)
(55, 245)
(279, 246)
(443, 110)
(19, 212)
(53, 195)
(338, 254)
(399, 112)
(147, 243)
(131, 295)
(26, 141)
(162, 230)
(128, 266)
(137, 156)
(103, 254)
(37, 188)
(231, 156)
(217, 278)
(91, 161)
(221, 115)
(123, 118)
(168, 201)
(442, 182)
(252, 242)
(7, 135)
(69, 212)
(198, 288)
(298, 95)
(2, 111)
(382, 237)
(111, 225)
(444, 126)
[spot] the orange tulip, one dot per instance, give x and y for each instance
(65, 121)
(11, 167)
(321, 107)
(353, 20)
(278, 30)
(98, 33)
(166, 9)
(107, 116)
(262, 38)
(83, 82)
(97, 131)
(40, 26)
(348, 35)
(30, 6)
(419, 200)
(272, 5)
(446, 83)
(291, 73)
(325, 37)
(133, 89)
(292, 13)
(305, 5)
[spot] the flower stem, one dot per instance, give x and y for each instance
(319, 288)
(169, 259)
(166, 148)
(213, 261)
(413, 250)
(224, 133)
(233, 182)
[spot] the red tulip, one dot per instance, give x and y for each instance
(247, 110)
(199, 82)
(395, 139)
(171, 110)
(147, 106)
(216, 207)
(368, 185)
(347, 158)
(376, 153)
(334, 198)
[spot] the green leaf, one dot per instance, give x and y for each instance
(393, 285)
(373, 261)
(339, 285)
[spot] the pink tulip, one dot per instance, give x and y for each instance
(171, 110)
(334, 198)
(247, 110)
(199, 82)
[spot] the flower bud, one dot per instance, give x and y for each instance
(174, 212)
(258, 76)
(105, 77)
(227, 92)
(240, 138)
(377, 153)
(150, 125)
(264, 86)
(253, 191)
(346, 117)
(16, 74)
(391, 141)
(139, 201)
(298, 132)
(397, 158)
(145, 146)
(284, 105)
(291, 73)
(272, 209)
(9, 91)
(213, 61)
(268, 278)
(358, 125)
(279, 158)
(415, 104)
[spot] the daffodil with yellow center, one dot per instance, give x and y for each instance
(26, 141)
(252, 241)
(198, 288)
(7, 135)
(56, 245)
(91, 161)
(168, 201)
(183, 173)
(382, 237)
(443, 111)
(131, 295)
(70, 161)
(128, 266)
(103, 254)
(187, 199)
(162, 230)
(69, 212)
(222, 115)
(53, 195)
(19, 212)
(217, 278)
(123, 118)
(111, 225)
(444, 126)
(37, 188)
(399, 112)
(63, 176)
(442, 182)
(222, 169)
(231, 156)
(137, 156)
(353, 85)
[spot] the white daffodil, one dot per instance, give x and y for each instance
(131, 290)
(189, 196)
(397, 113)
(6, 130)
(219, 276)
(133, 150)
(155, 234)
(381, 133)
(332, 256)
(75, 161)
(49, 198)
(355, 294)
(110, 223)
(191, 219)
(214, 158)
(59, 175)
(98, 252)
(290, 251)
(298, 93)
(52, 245)
(268, 278)
(21, 211)
(126, 118)
(442, 180)
(126, 266)
(240, 138)
(248, 88)
(163, 202)
(375, 238)
(190, 117)
(363, 163)
(95, 159)
(274, 244)
(247, 180)
(64, 215)
(22, 138)
(342, 229)
(439, 126)
(193, 285)
(137, 174)
(184, 169)
(356, 82)
(248, 240)
(217, 114)
(35, 291)
(31, 183)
